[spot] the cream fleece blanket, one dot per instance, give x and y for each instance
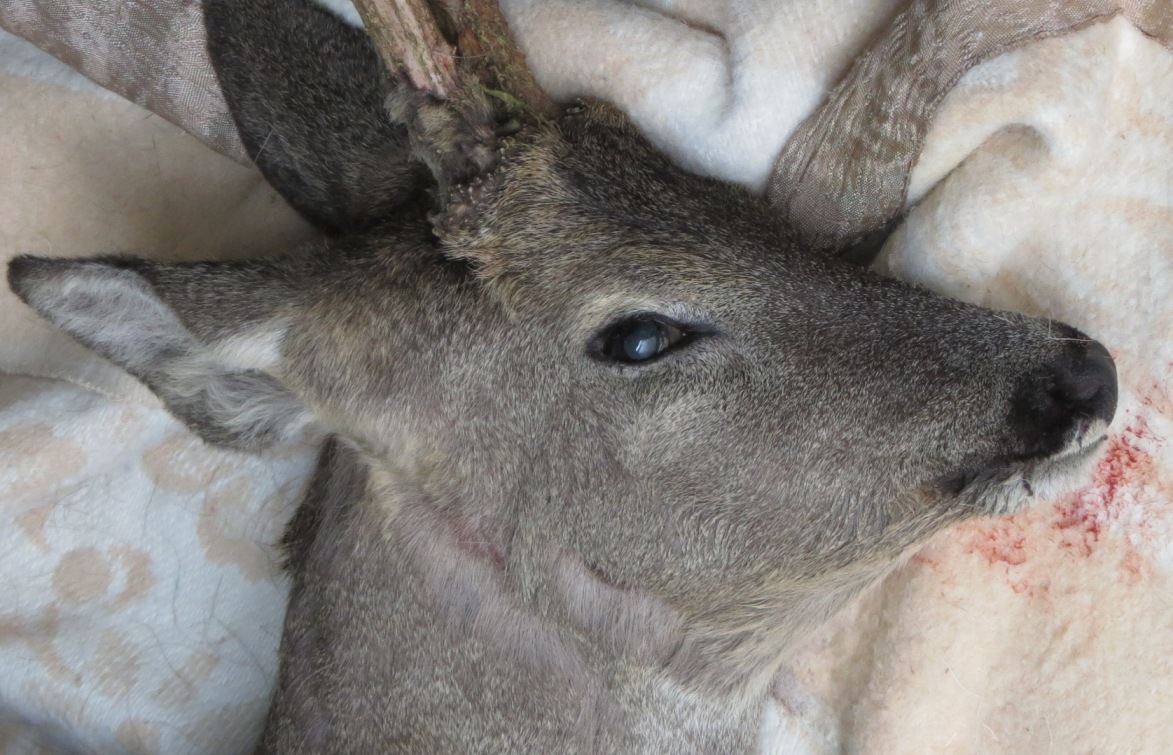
(142, 606)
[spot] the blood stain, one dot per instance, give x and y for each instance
(1000, 542)
(1081, 518)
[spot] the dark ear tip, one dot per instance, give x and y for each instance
(24, 268)
(215, 12)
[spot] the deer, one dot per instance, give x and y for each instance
(600, 440)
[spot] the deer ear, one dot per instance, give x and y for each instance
(168, 325)
(307, 92)
(325, 123)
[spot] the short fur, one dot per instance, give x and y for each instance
(513, 544)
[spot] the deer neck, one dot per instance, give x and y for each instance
(418, 620)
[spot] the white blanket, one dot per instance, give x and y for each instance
(143, 602)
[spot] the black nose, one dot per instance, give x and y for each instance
(1086, 384)
(1056, 402)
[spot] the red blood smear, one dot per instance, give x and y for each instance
(1000, 542)
(1084, 514)
(1079, 518)
(1003, 544)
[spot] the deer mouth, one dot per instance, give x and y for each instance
(1010, 484)
(1059, 418)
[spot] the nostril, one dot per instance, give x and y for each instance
(1078, 391)
(1059, 401)
(1085, 382)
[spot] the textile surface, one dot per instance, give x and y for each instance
(141, 601)
(143, 604)
(149, 51)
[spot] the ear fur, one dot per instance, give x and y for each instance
(307, 90)
(328, 127)
(162, 324)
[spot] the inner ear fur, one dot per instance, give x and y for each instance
(204, 337)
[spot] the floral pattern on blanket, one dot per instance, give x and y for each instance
(141, 600)
(143, 587)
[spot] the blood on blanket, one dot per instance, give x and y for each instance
(1081, 517)
(923, 560)
(1076, 523)
(1001, 542)
(1160, 398)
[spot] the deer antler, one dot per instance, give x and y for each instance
(408, 39)
(408, 35)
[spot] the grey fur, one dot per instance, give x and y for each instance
(513, 545)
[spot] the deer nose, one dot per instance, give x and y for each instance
(1086, 385)
(1056, 403)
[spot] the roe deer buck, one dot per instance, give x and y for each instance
(604, 441)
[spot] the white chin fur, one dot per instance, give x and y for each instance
(1049, 478)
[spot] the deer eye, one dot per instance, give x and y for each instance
(640, 339)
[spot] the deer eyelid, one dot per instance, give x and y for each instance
(642, 338)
